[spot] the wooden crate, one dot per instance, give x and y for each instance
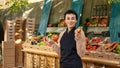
(89, 54)
(84, 64)
(101, 55)
(18, 55)
(18, 28)
(18, 47)
(40, 57)
(101, 61)
(9, 30)
(8, 54)
(96, 65)
(114, 57)
(29, 28)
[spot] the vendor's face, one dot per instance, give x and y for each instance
(70, 20)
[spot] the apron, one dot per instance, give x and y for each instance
(69, 57)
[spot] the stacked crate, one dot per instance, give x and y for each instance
(14, 32)
(8, 53)
(18, 36)
(18, 55)
(8, 45)
(29, 28)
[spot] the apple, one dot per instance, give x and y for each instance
(55, 37)
(78, 30)
(88, 24)
(44, 38)
(48, 44)
(96, 40)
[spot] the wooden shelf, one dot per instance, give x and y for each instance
(99, 17)
(115, 64)
(97, 30)
(55, 29)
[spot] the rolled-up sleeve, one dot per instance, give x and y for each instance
(81, 44)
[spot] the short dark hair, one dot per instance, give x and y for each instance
(70, 12)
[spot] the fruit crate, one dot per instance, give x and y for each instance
(8, 54)
(101, 60)
(18, 27)
(114, 57)
(39, 56)
(29, 28)
(9, 30)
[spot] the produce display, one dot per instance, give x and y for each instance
(117, 48)
(94, 44)
(108, 47)
(97, 47)
(42, 40)
(102, 45)
(97, 22)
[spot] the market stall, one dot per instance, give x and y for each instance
(30, 49)
(97, 56)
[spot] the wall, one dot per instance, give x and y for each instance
(34, 12)
(57, 10)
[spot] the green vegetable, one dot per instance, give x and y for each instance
(39, 36)
(41, 44)
(117, 49)
(50, 35)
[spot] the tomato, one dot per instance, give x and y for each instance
(94, 47)
(87, 40)
(88, 24)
